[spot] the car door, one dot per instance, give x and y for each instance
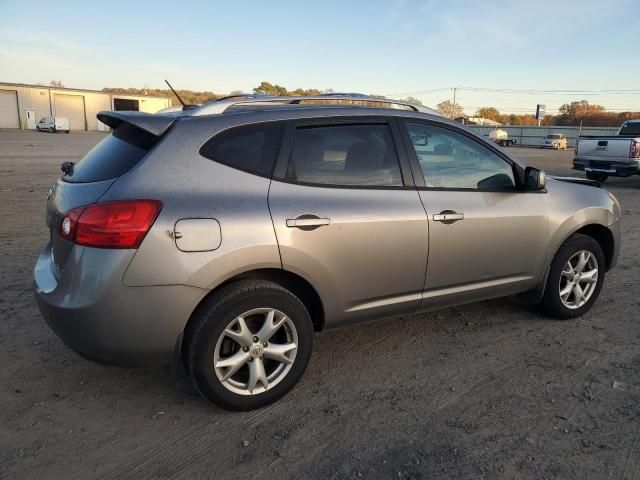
(487, 236)
(348, 219)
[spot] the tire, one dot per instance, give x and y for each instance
(557, 281)
(598, 177)
(66, 131)
(207, 338)
(37, 128)
(53, 130)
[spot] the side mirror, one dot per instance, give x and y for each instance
(534, 179)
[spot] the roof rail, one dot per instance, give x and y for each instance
(223, 104)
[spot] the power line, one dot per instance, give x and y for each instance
(631, 91)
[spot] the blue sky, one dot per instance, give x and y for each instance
(384, 47)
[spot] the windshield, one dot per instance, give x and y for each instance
(630, 128)
(554, 137)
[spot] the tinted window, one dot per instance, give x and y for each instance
(253, 148)
(451, 160)
(347, 155)
(113, 156)
(630, 128)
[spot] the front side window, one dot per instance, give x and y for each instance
(252, 148)
(452, 160)
(345, 155)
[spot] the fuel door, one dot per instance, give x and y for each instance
(197, 234)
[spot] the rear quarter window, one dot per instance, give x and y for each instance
(251, 148)
(114, 156)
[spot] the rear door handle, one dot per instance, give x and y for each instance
(306, 222)
(448, 216)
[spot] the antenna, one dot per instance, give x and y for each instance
(175, 93)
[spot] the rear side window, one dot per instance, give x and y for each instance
(345, 155)
(252, 148)
(113, 156)
(630, 128)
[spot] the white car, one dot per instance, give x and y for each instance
(555, 140)
(53, 125)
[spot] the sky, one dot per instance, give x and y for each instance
(550, 52)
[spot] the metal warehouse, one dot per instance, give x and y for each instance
(22, 106)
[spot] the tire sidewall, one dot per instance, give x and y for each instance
(552, 293)
(215, 320)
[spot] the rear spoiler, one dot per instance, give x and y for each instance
(581, 181)
(155, 124)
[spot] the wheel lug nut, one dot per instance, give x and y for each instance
(250, 359)
(265, 344)
(245, 349)
(255, 339)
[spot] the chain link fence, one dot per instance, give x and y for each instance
(532, 136)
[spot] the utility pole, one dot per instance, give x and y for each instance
(453, 105)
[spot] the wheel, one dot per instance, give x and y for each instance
(575, 278)
(53, 129)
(66, 131)
(248, 345)
(597, 176)
(37, 128)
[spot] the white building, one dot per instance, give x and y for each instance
(22, 106)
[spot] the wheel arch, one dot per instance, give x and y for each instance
(296, 284)
(603, 236)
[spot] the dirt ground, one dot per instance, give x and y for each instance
(490, 390)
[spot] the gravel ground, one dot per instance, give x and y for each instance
(489, 390)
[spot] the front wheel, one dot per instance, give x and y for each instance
(575, 278)
(248, 345)
(598, 177)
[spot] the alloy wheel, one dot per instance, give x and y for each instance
(255, 351)
(578, 279)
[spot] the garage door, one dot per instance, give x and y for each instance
(71, 107)
(9, 109)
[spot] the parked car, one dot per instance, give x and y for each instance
(53, 124)
(555, 140)
(221, 237)
(603, 156)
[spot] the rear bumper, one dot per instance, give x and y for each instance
(614, 169)
(90, 309)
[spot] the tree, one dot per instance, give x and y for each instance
(446, 108)
(266, 88)
(412, 100)
(56, 83)
(490, 113)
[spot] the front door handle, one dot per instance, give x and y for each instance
(307, 221)
(448, 216)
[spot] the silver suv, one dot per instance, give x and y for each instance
(225, 235)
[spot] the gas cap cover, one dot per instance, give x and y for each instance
(197, 234)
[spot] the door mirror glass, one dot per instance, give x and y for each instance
(535, 179)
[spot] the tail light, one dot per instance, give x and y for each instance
(634, 149)
(119, 224)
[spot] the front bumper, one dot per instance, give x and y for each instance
(614, 169)
(90, 309)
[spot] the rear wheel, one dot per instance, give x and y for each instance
(575, 278)
(248, 345)
(598, 177)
